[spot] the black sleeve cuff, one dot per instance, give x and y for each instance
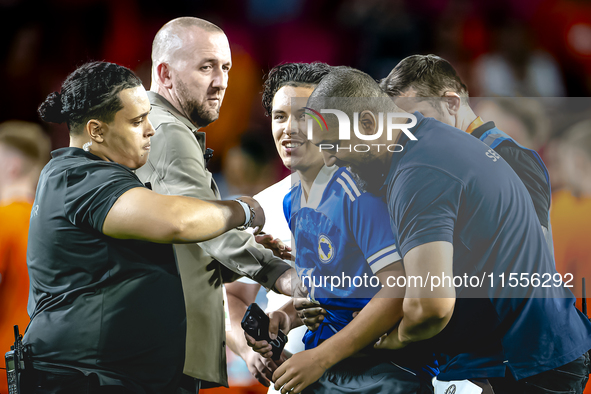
(269, 274)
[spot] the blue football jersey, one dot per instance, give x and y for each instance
(342, 237)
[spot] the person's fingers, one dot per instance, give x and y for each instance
(273, 328)
(278, 320)
(312, 317)
(313, 312)
(271, 365)
(249, 340)
(266, 352)
(305, 303)
(256, 366)
(262, 379)
(312, 321)
(300, 303)
(287, 256)
(313, 324)
(287, 387)
(298, 388)
(265, 369)
(282, 379)
(308, 325)
(279, 244)
(262, 347)
(262, 239)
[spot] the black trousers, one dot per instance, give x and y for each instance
(366, 376)
(188, 385)
(51, 383)
(568, 379)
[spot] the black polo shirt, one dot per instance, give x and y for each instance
(448, 186)
(100, 305)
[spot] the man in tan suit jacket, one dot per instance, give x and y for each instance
(190, 63)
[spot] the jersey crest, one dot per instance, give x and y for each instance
(326, 251)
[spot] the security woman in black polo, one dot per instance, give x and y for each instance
(106, 302)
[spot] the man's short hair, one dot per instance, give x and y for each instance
(350, 90)
(169, 37)
(292, 74)
(428, 75)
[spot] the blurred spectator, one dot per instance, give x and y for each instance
(563, 27)
(522, 118)
(571, 207)
(24, 150)
(551, 156)
(460, 35)
(576, 159)
(271, 11)
(516, 67)
(385, 32)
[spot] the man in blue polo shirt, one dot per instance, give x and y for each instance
(344, 246)
(429, 84)
(458, 210)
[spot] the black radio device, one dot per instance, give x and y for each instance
(256, 324)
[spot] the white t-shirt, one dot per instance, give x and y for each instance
(271, 199)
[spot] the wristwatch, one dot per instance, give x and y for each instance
(248, 213)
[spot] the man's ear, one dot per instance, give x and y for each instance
(95, 130)
(368, 123)
(163, 74)
(452, 102)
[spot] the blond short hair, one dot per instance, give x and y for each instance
(28, 139)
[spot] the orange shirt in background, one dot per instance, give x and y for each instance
(14, 280)
(571, 229)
